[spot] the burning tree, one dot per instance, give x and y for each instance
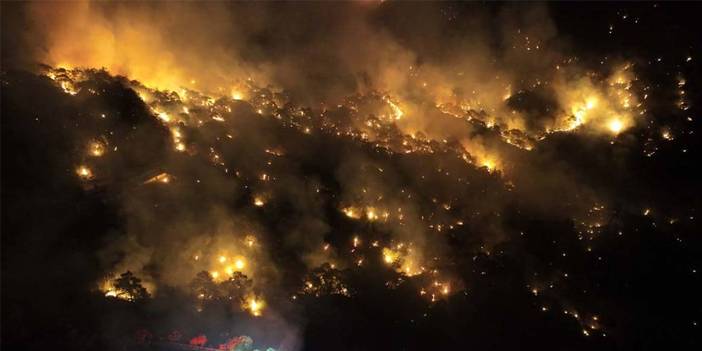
(325, 280)
(237, 287)
(203, 286)
(129, 287)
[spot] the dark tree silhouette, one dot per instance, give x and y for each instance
(204, 287)
(129, 286)
(236, 287)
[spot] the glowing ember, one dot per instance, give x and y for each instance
(237, 95)
(163, 178)
(397, 112)
(96, 149)
(591, 103)
(250, 240)
(164, 117)
(84, 172)
(371, 214)
(390, 256)
(489, 164)
(351, 212)
(615, 125)
(239, 264)
(254, 305)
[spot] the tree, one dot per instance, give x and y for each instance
(325, 280)
(129, 287)
(236, 287)
(204, 287)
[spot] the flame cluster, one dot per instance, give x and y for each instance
(606, 106)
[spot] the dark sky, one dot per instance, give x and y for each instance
(471, 219)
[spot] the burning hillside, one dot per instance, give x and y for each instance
(394, 188)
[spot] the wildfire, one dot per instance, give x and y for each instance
(68, 88)
(590, 103)
(602, 105)
(390, 256)
(489, 164)
(351, 212)
(239, 264)
(436, 290)
(237, 95)
(164, 117)
(403, 259)
(96, 149)
(164, 178)
(109, 289)
(177, 137)
(254, 305)
(250, 240)
(112, 292)
(396, 111)
(615, 125)
(371, 214)
(385, 114)
(84, 172)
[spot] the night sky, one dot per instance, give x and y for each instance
(351, 176)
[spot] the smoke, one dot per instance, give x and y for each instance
(283, 136)
(318, 54)
(179, 45)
